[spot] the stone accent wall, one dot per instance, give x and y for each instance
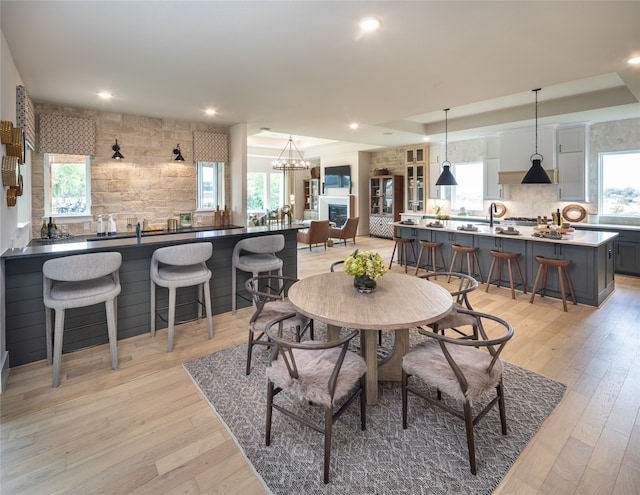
(391, 159)
(148, 183)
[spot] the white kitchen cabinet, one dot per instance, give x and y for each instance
(492, 190)
(571, 139)
(516, 148)
(435, 192)
(572, 180)
(415, 154)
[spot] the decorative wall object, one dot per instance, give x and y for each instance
(26, 115)
(69, 135)
(210, 147)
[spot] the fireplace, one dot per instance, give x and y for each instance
(340, 206)
(338, 214)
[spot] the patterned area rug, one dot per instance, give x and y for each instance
(429, 457)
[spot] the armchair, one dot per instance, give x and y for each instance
(347, 231)
(317, 233)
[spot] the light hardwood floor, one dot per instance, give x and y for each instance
(145, 429)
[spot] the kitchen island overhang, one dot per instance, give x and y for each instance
(24, 323)
(591, 252)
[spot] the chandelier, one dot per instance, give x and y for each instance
(290, 161)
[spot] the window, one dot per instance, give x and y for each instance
(256, 192)
(210, 185)
(276, 191)
(67, 184)
(620, 184)
(468, 193)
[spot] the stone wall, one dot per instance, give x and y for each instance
(148, 183)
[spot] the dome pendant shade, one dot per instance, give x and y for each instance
(446, 177)
(536, 174)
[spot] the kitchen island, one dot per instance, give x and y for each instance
(84, 327)
(591, 253)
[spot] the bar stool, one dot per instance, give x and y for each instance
(403, 248)
(261, 259)
(562, 268)
(500, 256)
(181, 266)
(75, 282)
(432, 247)
(458, 249)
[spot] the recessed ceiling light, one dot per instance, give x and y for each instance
(370, 23)
(634, 60)
(210, 111)
(353, 125)
(105, 95)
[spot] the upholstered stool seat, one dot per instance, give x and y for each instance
(468, 251)
(433, 247)
(403, 252)
(173, 267)
(545, 263)
(500, 256)
(255, 255)
(75, 282)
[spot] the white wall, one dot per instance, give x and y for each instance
(9, 79)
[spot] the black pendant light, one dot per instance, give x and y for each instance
(117, 155)
(446, 177)
(176, 151)
(536, 174)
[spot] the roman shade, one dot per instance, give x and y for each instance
(26, 115)
(68, 135)
(210, 147)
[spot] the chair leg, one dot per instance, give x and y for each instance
(453, 261)
(250, 352)
(57, 345)
(233, 290)
(207, 304)
(420, 259)
(503, 413)
(493, 264)
(468, 421)
(475, 257)
(544, 281)
(405, 380)
(112, 328)
(393, 253)
(49, 334)
(328, 421)
(171, 318)
(269, 412)
(573, 295)
(535, 284)
(513, 291)
(444, 265)
(499, 281)
(524, 287)
(562, 293)
(363, 403)
(153, 308)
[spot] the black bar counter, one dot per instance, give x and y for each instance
(84, 327)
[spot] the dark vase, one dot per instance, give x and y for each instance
(364, 284)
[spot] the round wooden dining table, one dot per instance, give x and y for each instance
(400, 302)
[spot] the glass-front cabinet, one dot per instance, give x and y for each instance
(311, 191)
(385, 204)
(415, 188)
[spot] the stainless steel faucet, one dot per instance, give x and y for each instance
(492, 208)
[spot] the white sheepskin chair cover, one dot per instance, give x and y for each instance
(427, 362)
(275, 309)
(314, 369)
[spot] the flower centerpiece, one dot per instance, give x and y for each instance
(366, 267)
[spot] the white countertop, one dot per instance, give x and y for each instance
(589, 238)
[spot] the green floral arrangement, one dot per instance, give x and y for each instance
(365, 263)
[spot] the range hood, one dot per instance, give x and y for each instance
(516, 177)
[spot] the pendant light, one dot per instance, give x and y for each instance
(536, 174)
(117, 155)
(446, 177)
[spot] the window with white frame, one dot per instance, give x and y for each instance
(620, 184)
(256, 192)
(210, 187)
(276, 190)
(468, 193)
(67, 184)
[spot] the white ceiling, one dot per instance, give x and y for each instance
(303, 67)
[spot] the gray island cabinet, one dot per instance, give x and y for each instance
(591, 252)
(84, 327)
